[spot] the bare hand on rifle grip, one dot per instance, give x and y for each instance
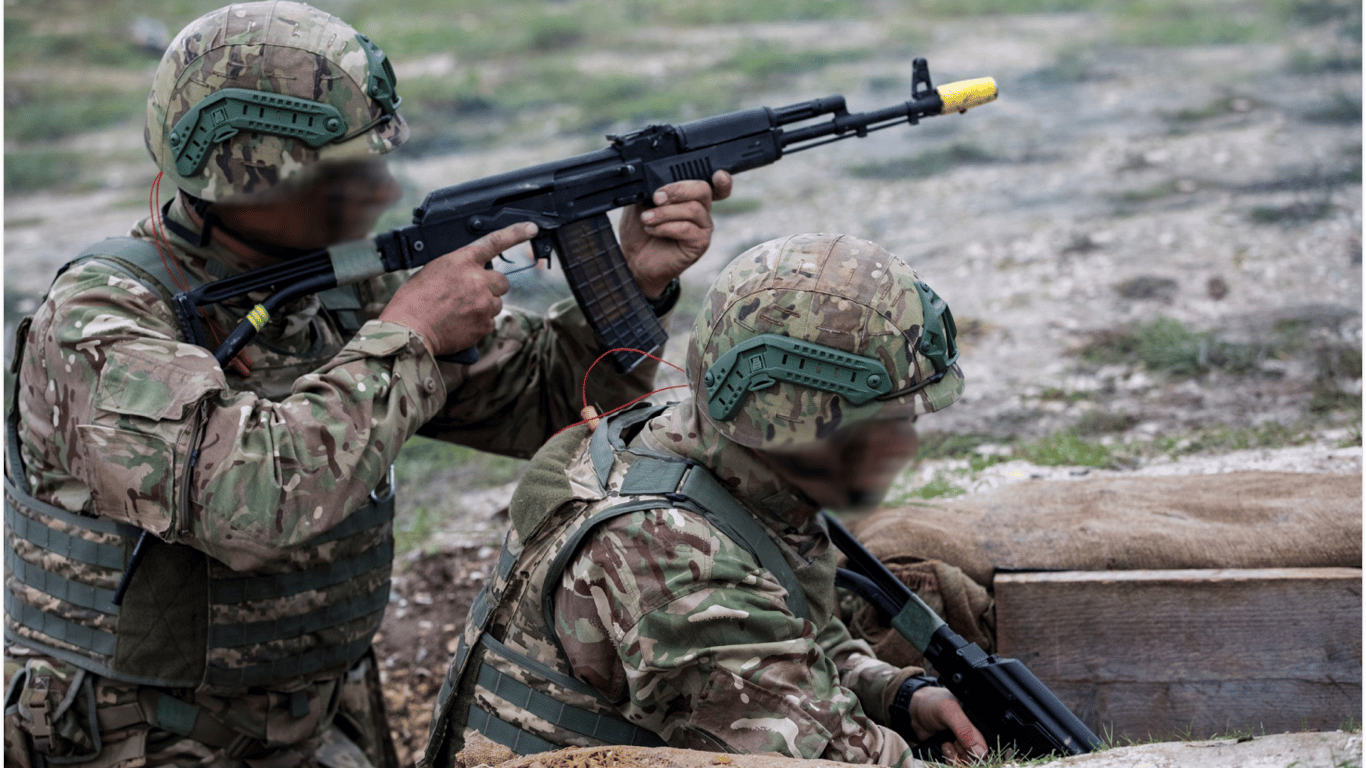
(452, 301)
(934, 710)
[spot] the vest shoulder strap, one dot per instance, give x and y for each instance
(689, 485)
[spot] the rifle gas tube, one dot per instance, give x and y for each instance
(1010, 706)
(569, 200)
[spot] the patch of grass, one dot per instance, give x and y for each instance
(1228, 104)
(925, 164)
(1168, 346)
(995, 7)
(1225, 439)
(1312, 12)
(422, 458)
(1057, 395)
(766, 63)
(1178, 23)
(703, 12)
(1298, 212)
(36, 112)
(1342, 109)
(950, 445)
(42, 169)
(414, 530)
(938, 488)
(1102, 422)
(1065, 449)
(734, 206)
(1334, 362)
(1128, 200)
(1071, 65)
(1320, 62)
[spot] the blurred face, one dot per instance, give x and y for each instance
(336, 203)
(854, 468)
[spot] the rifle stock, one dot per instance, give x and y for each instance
(1012, 708)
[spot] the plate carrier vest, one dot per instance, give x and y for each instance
(551, 708)
(176, 625)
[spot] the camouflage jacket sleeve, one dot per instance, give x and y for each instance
(683, 630)
(529, 383)
(144, 428)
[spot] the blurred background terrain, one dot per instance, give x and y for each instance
(1151, 242)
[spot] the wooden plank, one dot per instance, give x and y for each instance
(1144, 654)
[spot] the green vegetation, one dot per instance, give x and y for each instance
(475, 71)
(1323, 62)
(1298, 212)
(42, 169)
(765, 63)
(734, 206)
(998, 7)
(1075, 448)
(1072, 65)
(1228, 104)
(422, 458)
(1172, 23)
(1168, 346)
(1343, 108)
(927, 163)
(940, 487)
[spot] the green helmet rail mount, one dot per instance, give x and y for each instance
(381, 84)
(939, 334)
(766, 359)
(222, 114)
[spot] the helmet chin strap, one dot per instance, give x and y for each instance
(211, 221)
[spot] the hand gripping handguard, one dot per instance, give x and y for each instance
(1012, 708)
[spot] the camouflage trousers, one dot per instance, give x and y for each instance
(57, 714)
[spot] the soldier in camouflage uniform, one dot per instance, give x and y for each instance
(243, 638)
(667, 579)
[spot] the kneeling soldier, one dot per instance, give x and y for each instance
(668, 579)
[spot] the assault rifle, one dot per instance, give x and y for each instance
(1010, 706)
(569, 200)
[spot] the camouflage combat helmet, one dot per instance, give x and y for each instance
(806, 334)
(249, 95)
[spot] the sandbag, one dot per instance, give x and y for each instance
(1230, 520)
(481, 752)
(965, 605)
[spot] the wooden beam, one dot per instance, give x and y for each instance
(1190, 653)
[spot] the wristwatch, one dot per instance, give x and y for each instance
(900, 712)
(667, 299)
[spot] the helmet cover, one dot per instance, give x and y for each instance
(249, 96)
(803, 335)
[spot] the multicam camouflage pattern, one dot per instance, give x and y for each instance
(76, 702)
(113, 403)
(677, 627)
(274, 46)
(838, 291)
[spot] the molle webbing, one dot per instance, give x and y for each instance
(681, 483)
(102, 546)
(177, 627)
(349, 624)
(600, 727)
(691, 486)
